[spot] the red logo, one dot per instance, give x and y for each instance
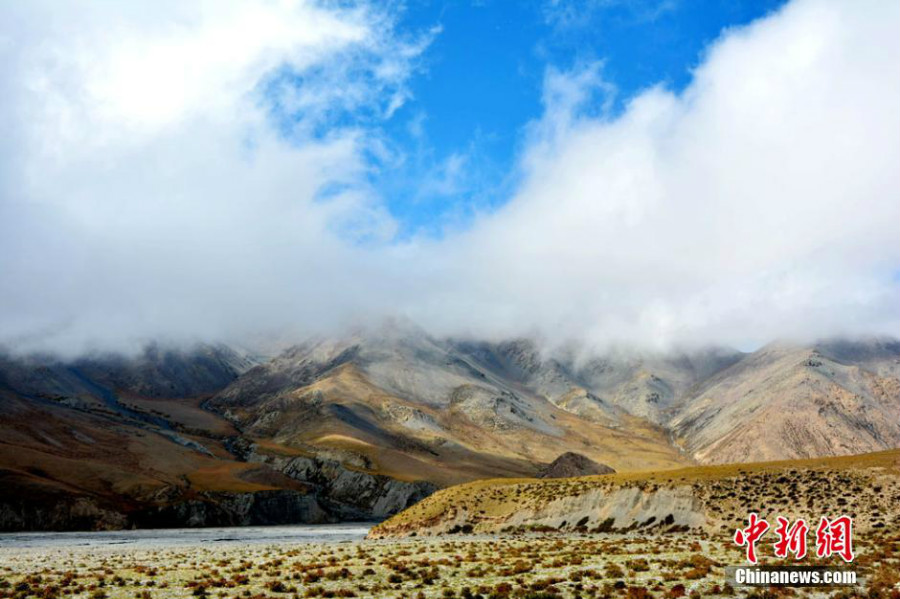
(835, 537)
(832, 537)
(791, 540)
(750, 535)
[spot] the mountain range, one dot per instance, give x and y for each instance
(364, 425)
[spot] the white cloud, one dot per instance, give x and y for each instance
(145, 191)
(760, 203)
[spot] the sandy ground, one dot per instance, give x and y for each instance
(532, 566)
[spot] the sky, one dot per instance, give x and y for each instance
(652, 173)
(483, 78)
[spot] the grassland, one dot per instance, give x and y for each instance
(529, 566)
(529, 553)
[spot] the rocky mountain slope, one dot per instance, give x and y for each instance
(602, 387)
(362, 426)
(448, 410)
(113, 442)
(408, 405)
(794, 402)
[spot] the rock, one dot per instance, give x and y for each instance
(204, 509)
(572, 464)
(65, 513)
(235, 509)
(349, 494)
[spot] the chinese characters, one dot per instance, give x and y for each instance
(833, 537)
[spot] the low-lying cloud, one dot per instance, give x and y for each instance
(148, 189)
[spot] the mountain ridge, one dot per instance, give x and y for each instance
(162, 435)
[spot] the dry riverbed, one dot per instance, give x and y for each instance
(535, 566)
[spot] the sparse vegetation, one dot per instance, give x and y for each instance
(713, 498)
(518, 566)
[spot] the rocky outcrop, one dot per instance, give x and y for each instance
(204, 509)
(620, 509)
(236, 509)
(331, 492)
(347, 493)
(73, 513)
(571, 464)
(615, 509)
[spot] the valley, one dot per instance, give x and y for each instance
(509, 539)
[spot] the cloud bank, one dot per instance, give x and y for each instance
(184, 172)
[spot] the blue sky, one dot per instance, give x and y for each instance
(480, 82)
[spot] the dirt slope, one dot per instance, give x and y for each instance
(706, 497)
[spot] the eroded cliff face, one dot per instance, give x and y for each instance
(74, 513)
(346, 493)
(710, 498)
(625, 508)
(236, 509)
(314, 490)
(350, 496)
(598, 510)
(203, 509)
